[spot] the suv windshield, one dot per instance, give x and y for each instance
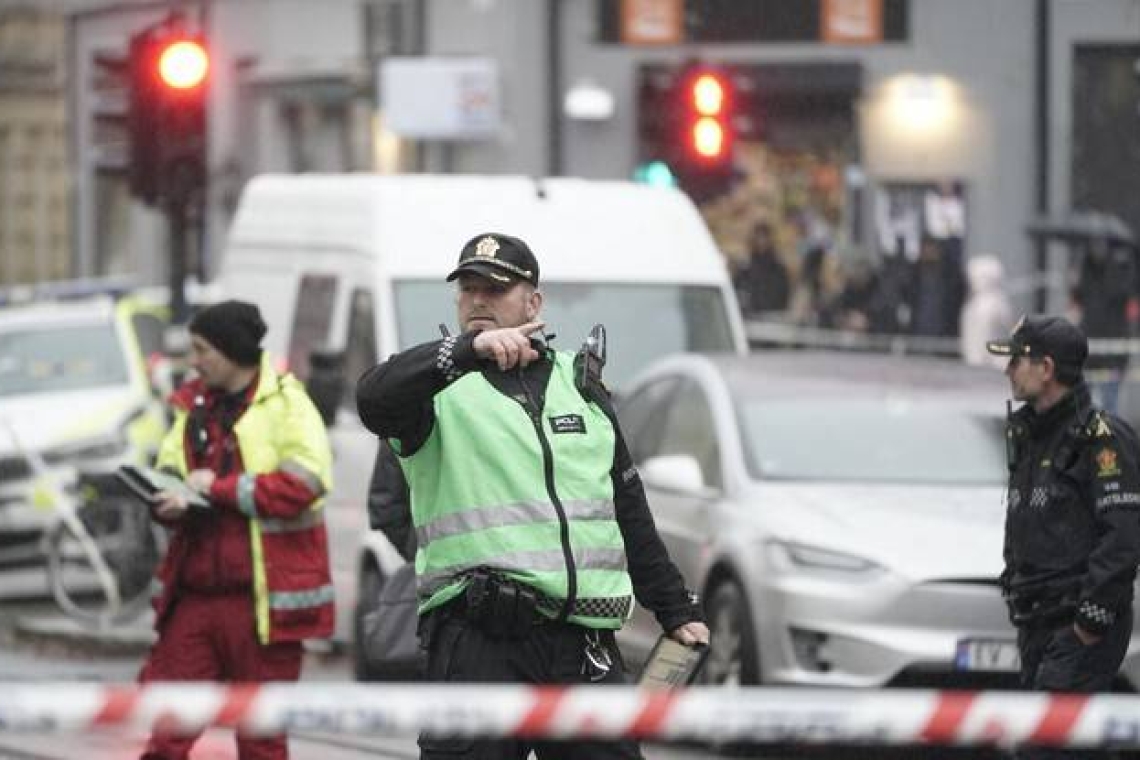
(60, 359)
(642, 321)
(891, 441)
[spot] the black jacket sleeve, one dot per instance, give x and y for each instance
(657, 583)
(394, 398)
(389, 508)
(1114, 476)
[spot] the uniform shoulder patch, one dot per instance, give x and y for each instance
(1099, 427)
(1106, 463)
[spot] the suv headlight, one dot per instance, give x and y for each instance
(792, 555)
(103, 447)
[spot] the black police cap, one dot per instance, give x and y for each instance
(1039, 336)
(498, 257)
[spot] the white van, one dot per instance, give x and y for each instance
(357, 263)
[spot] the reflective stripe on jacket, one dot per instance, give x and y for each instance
(529, 498)
(281, 430)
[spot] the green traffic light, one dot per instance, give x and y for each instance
(656, 173)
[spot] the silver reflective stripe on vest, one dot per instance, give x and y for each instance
(311, 480)
(310, 518)
(245, 485)
(525, 562)
(300, 600)
(521, 513)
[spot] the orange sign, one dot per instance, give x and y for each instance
(851, 22)
(652, 22)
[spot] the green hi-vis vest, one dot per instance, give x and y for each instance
(530, 500)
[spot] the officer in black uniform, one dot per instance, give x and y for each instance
(494, 631)
(1072, 531)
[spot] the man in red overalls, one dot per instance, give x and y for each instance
(246, 579)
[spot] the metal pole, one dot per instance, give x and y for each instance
(554, 87)
(176, 216)
(420, 41)
(1041, 143)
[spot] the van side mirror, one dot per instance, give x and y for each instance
(679, 473)
(326, 383)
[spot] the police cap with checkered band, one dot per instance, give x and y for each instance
(498, 257)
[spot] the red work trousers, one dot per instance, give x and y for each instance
(213, 638)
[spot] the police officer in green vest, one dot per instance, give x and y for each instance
(532, 524)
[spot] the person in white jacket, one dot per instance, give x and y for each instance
(987, 311)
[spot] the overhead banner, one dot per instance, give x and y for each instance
(652, 22)
(851, 22)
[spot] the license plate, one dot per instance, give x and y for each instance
(991, 655)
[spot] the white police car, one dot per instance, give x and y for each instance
(75, 393)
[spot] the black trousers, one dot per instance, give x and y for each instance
(1054, 659)
(458, 652)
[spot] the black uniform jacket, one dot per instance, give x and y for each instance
(1073, 510)
(394, 399)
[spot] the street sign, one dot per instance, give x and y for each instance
(440, 98)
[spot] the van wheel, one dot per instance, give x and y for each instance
(733, 658)
(367, 599)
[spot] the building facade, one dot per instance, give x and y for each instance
(35, 209)
(870, 124)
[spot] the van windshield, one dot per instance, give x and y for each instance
(642, 322)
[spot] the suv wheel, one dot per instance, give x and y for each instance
(733, 658)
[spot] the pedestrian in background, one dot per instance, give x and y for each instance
(1106, 283)
(987, 312)
(1072, 531)
(763, 281)
(247, 579)
(935, 289)
(532, 524)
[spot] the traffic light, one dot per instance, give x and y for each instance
(685, 124)
(169, 76)
(708, 132)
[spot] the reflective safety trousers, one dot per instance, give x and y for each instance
(525, 492)
(281, 430)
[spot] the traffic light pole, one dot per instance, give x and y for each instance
(177, 214)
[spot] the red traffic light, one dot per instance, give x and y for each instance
(708, 138)
(166, 117)
(183, 64)
(708, 95)
(709, 100)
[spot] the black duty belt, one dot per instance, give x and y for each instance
(505, 608)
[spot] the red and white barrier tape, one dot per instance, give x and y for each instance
(890, 717)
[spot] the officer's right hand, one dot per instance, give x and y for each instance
(170, 506)
(508, 346)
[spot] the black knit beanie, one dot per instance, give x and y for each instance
(235, 328)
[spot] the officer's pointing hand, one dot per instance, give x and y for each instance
(508, 346)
